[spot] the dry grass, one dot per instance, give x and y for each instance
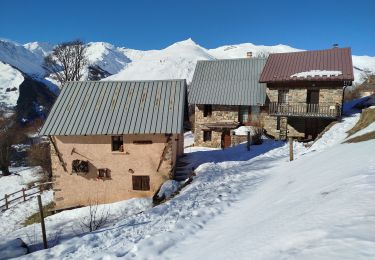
(362, 138)
(367, 117)
(35, 218)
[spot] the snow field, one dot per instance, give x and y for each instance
(252, 203)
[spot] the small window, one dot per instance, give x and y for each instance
(141, 182)
(207, 136)
(283, 96)
(143, 142)
(207, 110)
(244, 114)
(278, 123)
(80, 166)
(117, 143)
(255, 110)
(104, 173)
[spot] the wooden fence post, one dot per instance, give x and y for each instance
(23, 194)
(248, 140)
(291, 149)
(42, 222)
(6, 201)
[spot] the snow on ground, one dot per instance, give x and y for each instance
(253, 204)
(361, 63)
(9, 78)
(70, 223)
(319, 73)
(14, 217)
(188, 139)
(368, 129)
(243, 130)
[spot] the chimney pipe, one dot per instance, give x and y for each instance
(335, 45)
(249, 54)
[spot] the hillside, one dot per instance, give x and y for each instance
(241, 204)
(120, 63)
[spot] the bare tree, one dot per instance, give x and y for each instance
(97, 218)
(10, 133)
(39, 155)
(67, 61)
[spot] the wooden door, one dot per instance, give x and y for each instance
(225, 139)
(312, 101)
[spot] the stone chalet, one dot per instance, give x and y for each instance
(226, 94)
(305, 91)
(112, 141)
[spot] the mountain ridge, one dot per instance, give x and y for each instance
(121, 63)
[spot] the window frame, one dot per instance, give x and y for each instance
(205, 139)
(283, 96)
(207, 110)
(119, 144)
(144, 182)
(242, 111)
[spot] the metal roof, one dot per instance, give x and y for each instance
(118, 107)
(228, 82)
(281, 66)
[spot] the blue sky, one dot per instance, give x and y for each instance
(156, 24)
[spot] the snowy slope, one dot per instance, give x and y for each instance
(106, 56)
(20, 57)
(255, 204)
(9, 78)
(39, 48)
(240, 50)
(174, 62)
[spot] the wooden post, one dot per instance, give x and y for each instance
(6, 201)
(248, 140)
(23, 194)
(42, 222)
(290, 148)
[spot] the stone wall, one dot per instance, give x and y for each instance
(329, 93)
(220, 113)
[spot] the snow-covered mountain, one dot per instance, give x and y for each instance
(120, 63)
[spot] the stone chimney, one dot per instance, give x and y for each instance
(335, 45)
(249, 54)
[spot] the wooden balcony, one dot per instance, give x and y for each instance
(305, 110)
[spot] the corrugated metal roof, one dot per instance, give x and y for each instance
(281, 66)
(228, 82)
(118, 107)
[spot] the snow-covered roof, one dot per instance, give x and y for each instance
(321, 65)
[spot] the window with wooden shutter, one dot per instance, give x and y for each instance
(141, 182)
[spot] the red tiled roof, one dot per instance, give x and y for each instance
(281, 66)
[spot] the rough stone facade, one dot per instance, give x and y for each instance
(142, 159)
(220, 113)
(330, 93)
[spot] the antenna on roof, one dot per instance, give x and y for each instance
(335, 45)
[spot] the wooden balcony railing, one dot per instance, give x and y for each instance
(305, 110)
